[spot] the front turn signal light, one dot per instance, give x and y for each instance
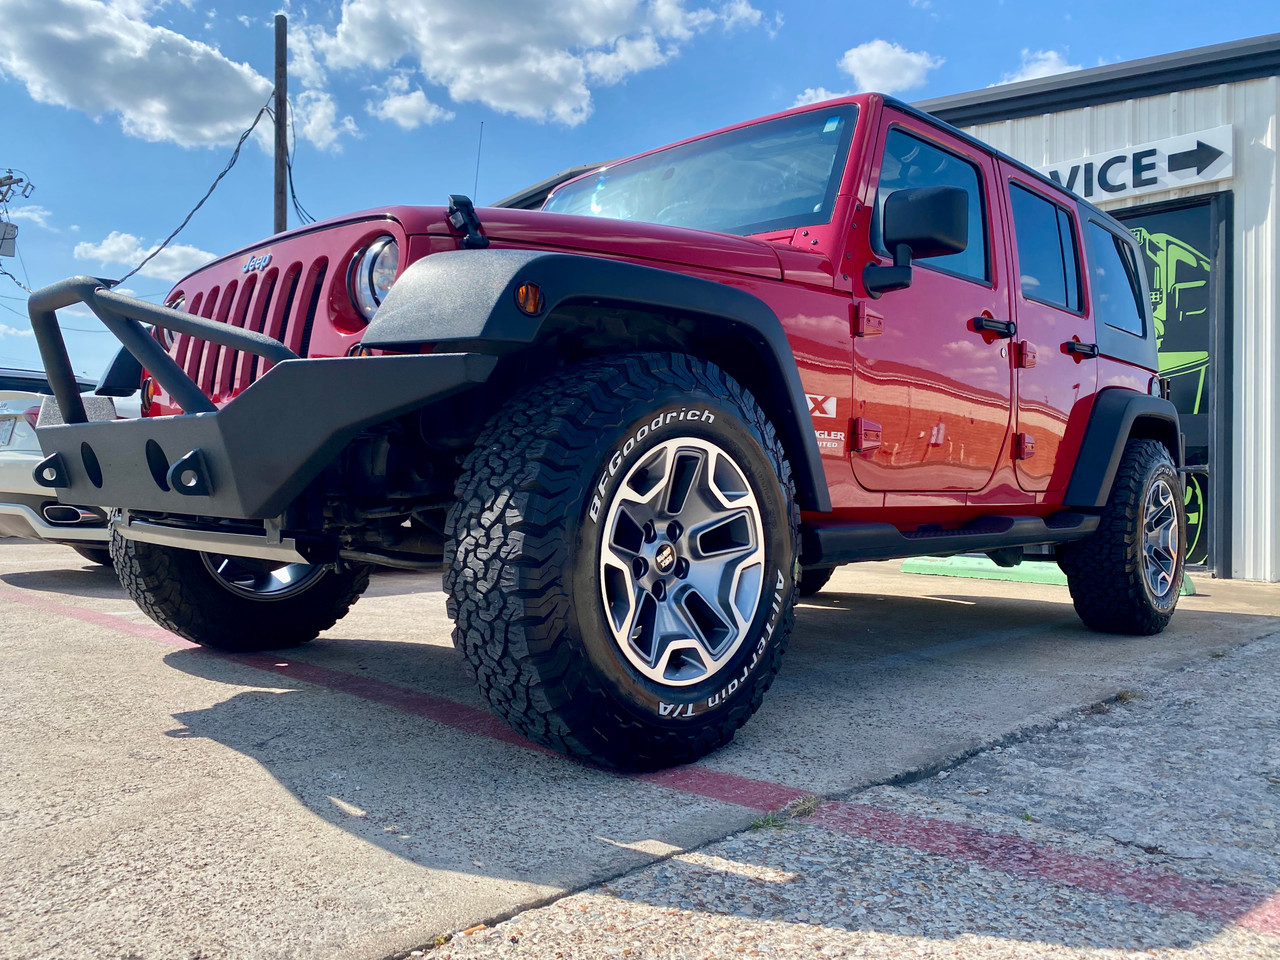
(529, 298)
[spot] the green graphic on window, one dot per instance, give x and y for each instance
(1175, 246)
(1178, 275)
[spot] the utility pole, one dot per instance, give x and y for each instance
(282, 120)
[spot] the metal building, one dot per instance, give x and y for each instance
(1183, 149)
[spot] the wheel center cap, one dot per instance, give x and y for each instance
(665, 558)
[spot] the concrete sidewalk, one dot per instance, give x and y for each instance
(1145, 825)
(354, 799)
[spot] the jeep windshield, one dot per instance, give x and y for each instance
(775, 175)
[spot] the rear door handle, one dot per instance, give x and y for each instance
(1081, 349)
(1003, 329)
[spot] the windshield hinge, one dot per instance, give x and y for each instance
(462, 216)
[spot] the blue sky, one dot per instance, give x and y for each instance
(121, 112)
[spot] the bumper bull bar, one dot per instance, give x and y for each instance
(246, 461)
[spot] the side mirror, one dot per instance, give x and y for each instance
(919, 222)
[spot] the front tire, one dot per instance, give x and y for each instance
(235, 604)
(1127, 575)
(620, 560)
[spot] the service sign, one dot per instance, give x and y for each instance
(1148, 167)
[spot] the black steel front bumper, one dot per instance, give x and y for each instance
(246, 461)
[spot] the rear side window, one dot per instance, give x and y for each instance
(1114, 275)
(1046, 250)
(911, 162)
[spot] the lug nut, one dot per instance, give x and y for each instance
(639, 567)
(674, 530)
(650, 532)
(682, 568)
(659, 591)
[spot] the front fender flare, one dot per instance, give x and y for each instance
(468, 297)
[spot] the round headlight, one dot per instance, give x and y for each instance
(373, 271)
(167, 336)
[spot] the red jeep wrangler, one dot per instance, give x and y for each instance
(637, 423)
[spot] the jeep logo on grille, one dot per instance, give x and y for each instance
(256, 263)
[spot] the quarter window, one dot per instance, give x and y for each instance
(1046, 250)
(912, 162)
(1116, 300)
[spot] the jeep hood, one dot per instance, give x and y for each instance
(625, 239)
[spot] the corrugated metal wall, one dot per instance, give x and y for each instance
(1251, 108)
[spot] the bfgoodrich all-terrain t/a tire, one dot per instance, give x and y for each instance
(1127, 575)
(235, 604)
(621, 559)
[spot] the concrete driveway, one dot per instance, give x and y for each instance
(354, 798)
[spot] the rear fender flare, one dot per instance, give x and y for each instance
(467, 297)
(1118, 416)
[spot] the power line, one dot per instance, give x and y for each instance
(4, 272)
(235, 155)
(304, 215)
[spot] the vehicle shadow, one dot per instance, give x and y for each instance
(79, 578)
(82, 578)
(432, 787)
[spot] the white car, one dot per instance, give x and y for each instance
(27, 509)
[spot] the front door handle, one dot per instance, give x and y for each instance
(1003, 329)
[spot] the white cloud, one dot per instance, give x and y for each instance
(887, 67)
(89, 56)
(36, 214)
(8, 331)
(536, 59)
(124, 249)
(407, 108)
(740, 13)
(316, 116)
(628, 56)
(1040, 63)
(817, 95)
(104, 59)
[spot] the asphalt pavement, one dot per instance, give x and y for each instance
(354, 799)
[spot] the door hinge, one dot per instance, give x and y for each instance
(865, 322)
(1026, 355)
(866, 435)
(1024, 446)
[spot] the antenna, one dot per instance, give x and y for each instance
(476, 186)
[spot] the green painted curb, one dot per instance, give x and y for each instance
(984, 568)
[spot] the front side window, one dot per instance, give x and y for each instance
(911, 162)
(775, 175)
(1116, 298)
(1046, 249)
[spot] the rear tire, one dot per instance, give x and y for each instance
(232, 604)
(1127, 575)
(100, 555)
(813, 579)
(620, 560)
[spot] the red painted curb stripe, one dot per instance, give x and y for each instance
(1029, 860)
(726, 787)
(437, 709)
(148, 631)
(1005, 853)
(1263, 919)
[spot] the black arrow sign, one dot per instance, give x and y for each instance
(1200, 158)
